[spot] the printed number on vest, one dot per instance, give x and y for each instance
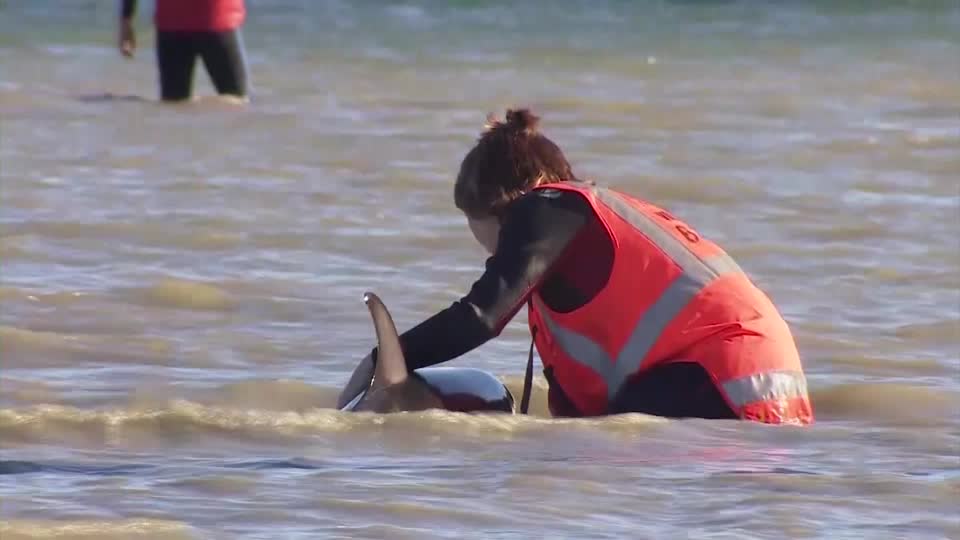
(685, 231)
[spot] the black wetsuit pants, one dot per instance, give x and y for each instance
(676, 390)
(222, 53)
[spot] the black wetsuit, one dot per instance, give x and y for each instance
(536, 232)
(222, 53)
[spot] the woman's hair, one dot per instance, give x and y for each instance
(510, 158)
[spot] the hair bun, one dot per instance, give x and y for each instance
(522, 120)
(516, 121)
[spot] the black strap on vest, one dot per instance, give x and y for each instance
(528, 377)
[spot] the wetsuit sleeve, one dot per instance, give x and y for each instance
(536, 230)
(128, 8)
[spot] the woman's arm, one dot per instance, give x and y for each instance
(537, 229)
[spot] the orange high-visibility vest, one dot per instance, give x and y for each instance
(672, 296)
(199, 15)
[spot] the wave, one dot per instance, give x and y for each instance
(121, 529)
(886, 403)
(185, 294)
(32, 348)
(183, 420)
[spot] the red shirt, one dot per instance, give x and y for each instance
(199, 15)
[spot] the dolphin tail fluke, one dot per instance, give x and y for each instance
(391, 365)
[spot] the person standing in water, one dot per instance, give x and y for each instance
(187, 29)
(630, 308)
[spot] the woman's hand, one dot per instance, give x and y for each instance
(127, 39)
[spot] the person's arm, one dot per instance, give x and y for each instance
(127, 38)
(536, 231)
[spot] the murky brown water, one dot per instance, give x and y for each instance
(181, 287)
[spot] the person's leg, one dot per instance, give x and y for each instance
(557, 401)
(225, 59)
(176, 56)
(677, 390)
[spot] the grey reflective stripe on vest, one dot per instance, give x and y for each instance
(772, 385)
(697, 274)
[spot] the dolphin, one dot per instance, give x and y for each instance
(395, 389)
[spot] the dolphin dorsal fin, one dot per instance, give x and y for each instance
(391, 365)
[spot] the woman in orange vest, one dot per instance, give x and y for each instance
(631, 309)
(187, 29)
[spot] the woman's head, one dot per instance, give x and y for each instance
(510, 158)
